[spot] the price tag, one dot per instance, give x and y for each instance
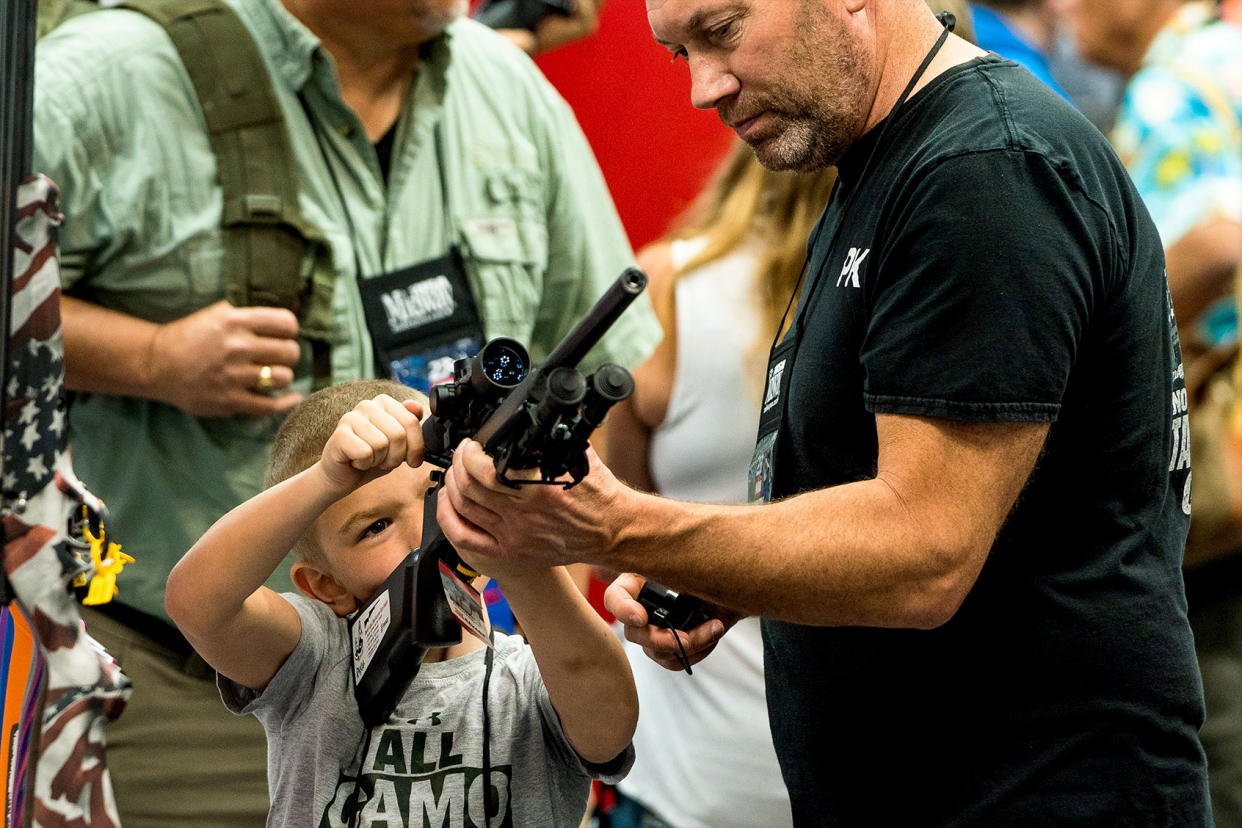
(467, 605)
(368, 631)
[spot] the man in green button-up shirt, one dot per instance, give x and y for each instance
(168, 424)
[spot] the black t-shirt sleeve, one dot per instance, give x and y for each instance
(981, 299)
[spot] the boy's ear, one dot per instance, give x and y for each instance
(323, 586)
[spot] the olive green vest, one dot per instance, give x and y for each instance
(272, 254)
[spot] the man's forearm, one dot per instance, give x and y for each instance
(814, 559)
(900, 550)
(106, 351)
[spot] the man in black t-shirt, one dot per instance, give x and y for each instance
(973, 433)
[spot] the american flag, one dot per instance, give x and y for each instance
(34, 416)
(84, 687)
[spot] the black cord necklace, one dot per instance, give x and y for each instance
(948, 20)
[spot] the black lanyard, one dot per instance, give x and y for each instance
(799, 320)
(420, 317)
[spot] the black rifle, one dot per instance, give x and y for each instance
(540, 419)
(17, 39)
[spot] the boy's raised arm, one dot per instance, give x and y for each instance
(215, 593)
(581, 660)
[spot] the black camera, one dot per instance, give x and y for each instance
(520, 14)
(671, 610)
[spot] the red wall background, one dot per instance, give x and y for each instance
(633, 102)
(655, 149)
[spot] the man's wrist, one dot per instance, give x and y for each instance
(635, 518)
(150, 378)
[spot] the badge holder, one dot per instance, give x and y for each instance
(422, 319)
(771, 417)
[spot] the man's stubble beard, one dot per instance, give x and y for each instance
(821, 111)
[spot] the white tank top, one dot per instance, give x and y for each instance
(704, 748)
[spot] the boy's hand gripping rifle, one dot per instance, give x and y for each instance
(524, 419)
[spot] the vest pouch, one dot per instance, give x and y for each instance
(510, 257)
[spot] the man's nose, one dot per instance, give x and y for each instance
(710, 82)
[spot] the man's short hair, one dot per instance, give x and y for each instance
(301, 437)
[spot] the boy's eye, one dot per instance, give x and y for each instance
(375, 528)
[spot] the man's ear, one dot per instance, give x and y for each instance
(323, 586)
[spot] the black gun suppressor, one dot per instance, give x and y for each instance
(525, 419)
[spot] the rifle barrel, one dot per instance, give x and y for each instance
(567, 354)
(603, 313)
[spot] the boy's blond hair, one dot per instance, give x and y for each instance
(300, 440)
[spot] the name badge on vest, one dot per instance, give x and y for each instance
(421, 319)
(771, 417)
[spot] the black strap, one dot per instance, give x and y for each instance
(490, 804)
(948, 21)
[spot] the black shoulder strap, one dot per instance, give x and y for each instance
(272, 254)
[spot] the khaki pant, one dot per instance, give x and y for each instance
(176, 755)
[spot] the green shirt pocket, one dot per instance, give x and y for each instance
(505, 261)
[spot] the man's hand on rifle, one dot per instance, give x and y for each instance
(544, 525)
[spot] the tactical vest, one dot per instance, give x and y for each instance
(272, 254)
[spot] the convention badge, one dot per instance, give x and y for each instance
(367, 630)
(771, 416)
(422, 319)
(467, 605)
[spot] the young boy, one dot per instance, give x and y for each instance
(346, 494)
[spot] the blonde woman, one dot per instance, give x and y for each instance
(720, 281)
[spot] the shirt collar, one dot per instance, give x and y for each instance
(286, 41)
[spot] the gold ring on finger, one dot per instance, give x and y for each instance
(265, 383)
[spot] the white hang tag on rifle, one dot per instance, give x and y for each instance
(467, 605)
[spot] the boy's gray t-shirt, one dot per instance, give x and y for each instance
(424, 766)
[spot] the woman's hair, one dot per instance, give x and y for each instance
(744, 202)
